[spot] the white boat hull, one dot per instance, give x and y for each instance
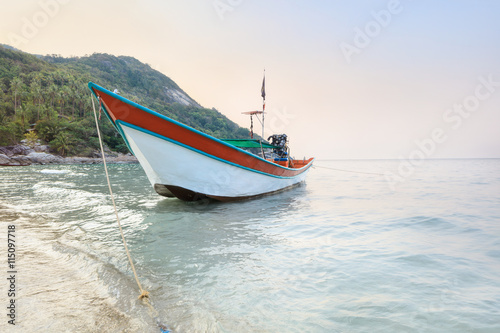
(170, 163)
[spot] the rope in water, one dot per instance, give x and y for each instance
(144, 294)
(368, 173)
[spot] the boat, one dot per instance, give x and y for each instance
(186, 163)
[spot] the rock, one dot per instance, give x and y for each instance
(41, 148)
(44, 158)
(24, 155)
(16, 150)
(20, 160)
(26, 150)
(122, 158)
(10, 150)
(81, 160)
(5, 151)
(108, 155)
(4, 159)
(14, 160)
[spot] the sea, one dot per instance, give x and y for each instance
(360, 246)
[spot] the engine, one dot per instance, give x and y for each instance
(279, 140)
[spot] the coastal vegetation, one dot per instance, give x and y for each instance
(46, 98)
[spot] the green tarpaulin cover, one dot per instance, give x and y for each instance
(248, 143)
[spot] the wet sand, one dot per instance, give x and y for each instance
(52, 293)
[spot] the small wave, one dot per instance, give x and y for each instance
(52, 171)
(425, 222)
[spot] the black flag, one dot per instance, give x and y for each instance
(263, 90)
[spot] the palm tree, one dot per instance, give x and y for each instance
(3, 113)
(2, 89)
(82, 94)
(36, 91)
(16, 85)
(73, 93)
(22, 111)
(62, 143)
(64, 92)
(52, 91)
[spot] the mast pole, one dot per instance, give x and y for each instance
(263, 93)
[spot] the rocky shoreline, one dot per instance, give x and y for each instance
(22, 155)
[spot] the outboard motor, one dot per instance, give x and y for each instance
(279, 140)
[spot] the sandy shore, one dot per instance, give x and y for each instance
(51, 293)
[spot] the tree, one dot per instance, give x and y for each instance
(22, 112)
(82, 92)
(62, 143)
(49, 128)
(52, 92)
(74, 83)
(64, 93)
(60, 100)
(36, 91)
(16, 87)
(31, 138)
(2, 90)
(11, 133)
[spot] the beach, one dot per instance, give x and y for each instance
(53, 292)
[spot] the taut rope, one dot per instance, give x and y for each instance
(368, 173)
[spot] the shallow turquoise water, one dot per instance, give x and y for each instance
(344, 252)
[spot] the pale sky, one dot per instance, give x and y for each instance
(344, 79)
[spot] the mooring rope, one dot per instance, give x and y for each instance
(368, 173)
(144, 294)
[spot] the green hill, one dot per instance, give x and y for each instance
(47, 96)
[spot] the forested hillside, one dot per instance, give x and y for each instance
(46, 98)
